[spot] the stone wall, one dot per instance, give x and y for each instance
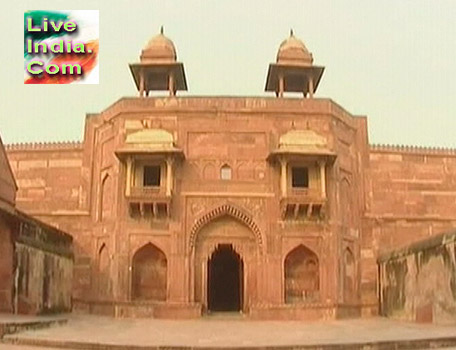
(6, 265)
(48, 174)
(43, 280)
(410, 196)
(43, 265)
(54, 187)
(7, 183)
(36, 267)
(418, 282)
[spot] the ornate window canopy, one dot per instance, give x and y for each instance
(302, 143)
(149, 142)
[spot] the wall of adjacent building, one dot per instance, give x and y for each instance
(7, 202)
(43, 281)
(6, 265)
(7, 183)
(410, 196)
(36, 261)
(54, 187)
(418, 282)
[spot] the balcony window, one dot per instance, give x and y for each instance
(151, 176)
(299, 177)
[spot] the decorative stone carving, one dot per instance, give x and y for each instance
(226, 209)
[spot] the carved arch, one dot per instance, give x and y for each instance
(105, 201)
(209, 171)
(349, 275)
(346, 179)
(149, 273)
(225, 209)
(104, 265)
(346, 202)
(302, 275)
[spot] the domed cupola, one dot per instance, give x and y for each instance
(158, 69)
(159, 49)
(294, 70)
(292, 51)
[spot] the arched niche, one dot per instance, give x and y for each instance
(349, 276)
(104, 264)
(149, 274)
(346, 204)
(302, 276)
(106, 197)
(209, 172)
(245, 172)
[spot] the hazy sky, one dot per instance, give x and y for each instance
(392, 60)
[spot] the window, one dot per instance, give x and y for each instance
(299, 177)
(225, 172)
(151, 175)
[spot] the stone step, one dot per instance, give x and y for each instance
(447, 343)
(12, 327)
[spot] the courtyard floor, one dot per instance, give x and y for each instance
(222, 331)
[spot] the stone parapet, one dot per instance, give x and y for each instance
(413, 149)
(35, 146)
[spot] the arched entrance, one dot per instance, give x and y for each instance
(225, 240)
(225, 280)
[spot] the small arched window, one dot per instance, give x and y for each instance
(225, 172)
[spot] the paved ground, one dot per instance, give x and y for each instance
(212, 331)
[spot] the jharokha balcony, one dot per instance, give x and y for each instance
(146, 202)
(149, 157)
(304, 203)
(303, 157)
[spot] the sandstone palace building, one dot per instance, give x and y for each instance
(276, 207)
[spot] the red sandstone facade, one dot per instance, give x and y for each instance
(282, 197)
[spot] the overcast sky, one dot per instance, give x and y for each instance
(392, 60)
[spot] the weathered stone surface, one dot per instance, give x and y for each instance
(418, 282)
(43, 280)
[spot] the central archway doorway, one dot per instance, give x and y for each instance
(225, 283)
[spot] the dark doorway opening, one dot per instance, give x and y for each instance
(225, 280)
